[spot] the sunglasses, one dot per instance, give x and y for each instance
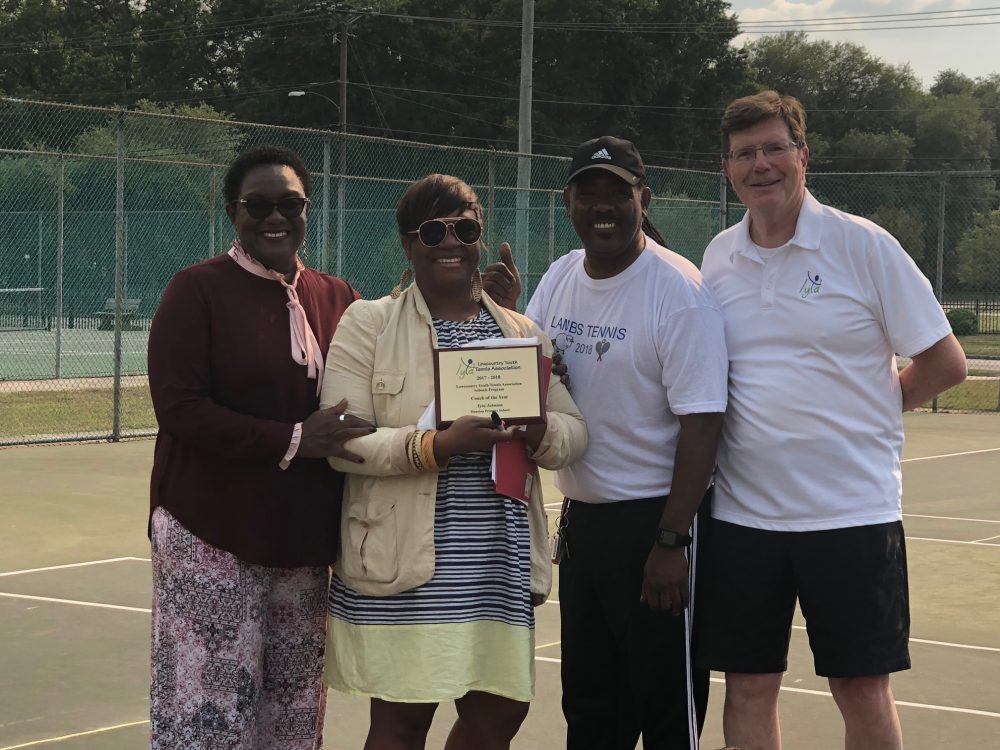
(433, 231)
(258, 208)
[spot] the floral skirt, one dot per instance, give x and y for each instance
(237, 649)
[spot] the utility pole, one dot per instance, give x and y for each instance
(347, 17)
(523, 222)
(346, 22)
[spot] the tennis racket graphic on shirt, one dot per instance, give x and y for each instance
(602, 349)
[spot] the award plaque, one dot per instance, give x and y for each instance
(481, 380)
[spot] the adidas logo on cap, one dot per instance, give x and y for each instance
(602, 154)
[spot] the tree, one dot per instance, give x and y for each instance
(906, 226)
(176, 55)
(979, 253)
(950, 82)
(28, 70)
(842, 86)
(987, 93)
(460, 81)
(951, 129)
(863, 151)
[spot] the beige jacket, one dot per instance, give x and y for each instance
(380, 361)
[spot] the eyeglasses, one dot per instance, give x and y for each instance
(259, 208)
(433, 231)
(771, 151)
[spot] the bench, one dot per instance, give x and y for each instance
(106, 315)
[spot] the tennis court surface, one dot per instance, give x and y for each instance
(75, 595)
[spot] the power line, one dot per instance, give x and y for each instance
(364, 75)
(718, 27)
(730, 26)
(961, 11)
(650, 107)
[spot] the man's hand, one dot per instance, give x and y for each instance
(665, 580)
(559, 369)
(325, 431)
(502, 281)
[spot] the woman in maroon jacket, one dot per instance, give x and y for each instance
(243, 510)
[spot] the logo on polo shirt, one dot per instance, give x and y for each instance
(602, 154)
(811, 285)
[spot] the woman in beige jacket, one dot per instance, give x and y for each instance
(432, 595)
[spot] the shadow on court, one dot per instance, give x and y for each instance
(75, 580)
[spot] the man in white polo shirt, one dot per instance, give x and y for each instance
(644, 342)
(807, 502)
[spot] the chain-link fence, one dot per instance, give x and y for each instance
(100, 207)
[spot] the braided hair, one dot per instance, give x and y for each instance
(647, 225)
(648, 228)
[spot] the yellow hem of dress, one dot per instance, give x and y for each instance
(430, 663)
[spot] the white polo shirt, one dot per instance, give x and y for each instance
(642, 347)
(814, 429)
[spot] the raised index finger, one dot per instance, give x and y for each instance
(507, 256)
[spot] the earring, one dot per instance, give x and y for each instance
(477, 286)
(404, 281)
(303, 249)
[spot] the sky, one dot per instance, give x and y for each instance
(972, 48)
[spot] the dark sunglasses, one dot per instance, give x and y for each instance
(433, 231)
(259, 208)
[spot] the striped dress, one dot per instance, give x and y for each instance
(471, 627)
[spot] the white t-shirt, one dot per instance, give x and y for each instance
(641, 347)
(814, 429)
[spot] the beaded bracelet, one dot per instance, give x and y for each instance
(413, 452)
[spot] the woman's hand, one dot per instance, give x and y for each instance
(469, 434)
(325, 431)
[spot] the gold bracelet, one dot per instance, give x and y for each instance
(427, 451)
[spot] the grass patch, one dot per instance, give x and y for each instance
(972, 395)
(983, 345)
(73, 412)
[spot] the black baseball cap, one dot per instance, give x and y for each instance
(616, 155)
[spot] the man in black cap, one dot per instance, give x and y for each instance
(648, 366)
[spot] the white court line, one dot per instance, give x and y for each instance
(949, 455)
(73, 601)
(825, 694)
(949, 541)
(936, 643)
(73, 565)
(36, 743)
(912, 640)
(951, 518)
(975, 543)
(909, 704)
(987, 539)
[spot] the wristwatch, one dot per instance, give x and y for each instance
(672, 539)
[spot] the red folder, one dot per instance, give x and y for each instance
(514, 472)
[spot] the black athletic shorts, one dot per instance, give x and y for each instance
(851, 584)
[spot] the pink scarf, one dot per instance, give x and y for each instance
(305, 347)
